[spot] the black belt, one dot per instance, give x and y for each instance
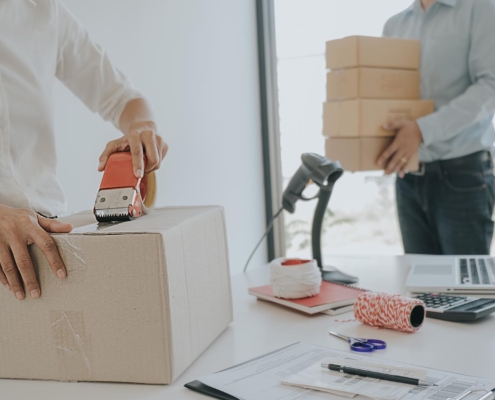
(435, 166)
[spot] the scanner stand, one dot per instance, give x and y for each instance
(332, 274)
(328, 273)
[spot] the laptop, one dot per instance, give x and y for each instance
(454, 275)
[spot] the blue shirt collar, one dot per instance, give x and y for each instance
(451, 3)
(416, 6)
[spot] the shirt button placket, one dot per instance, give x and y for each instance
(5, 170)
(3, 134)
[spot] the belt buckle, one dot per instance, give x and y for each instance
(421, 171)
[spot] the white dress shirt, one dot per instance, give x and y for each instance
(40, 40)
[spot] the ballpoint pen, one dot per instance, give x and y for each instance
(379, 375)
(489, 395)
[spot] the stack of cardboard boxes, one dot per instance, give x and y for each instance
(371, 81)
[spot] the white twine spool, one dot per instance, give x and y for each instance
(295, 280)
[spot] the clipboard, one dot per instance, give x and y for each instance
(199, 387)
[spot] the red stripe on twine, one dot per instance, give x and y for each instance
(386, 311)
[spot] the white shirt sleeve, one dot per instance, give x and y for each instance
(85, 68)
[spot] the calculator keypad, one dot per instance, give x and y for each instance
(441, 301)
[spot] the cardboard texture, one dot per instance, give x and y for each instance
(372, 83)
(346, 151)
(142, 300)
(360, 154)
(376, 52)
(365, 118)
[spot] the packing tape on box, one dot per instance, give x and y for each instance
(147, 190)
(295, 278)
(390, 311)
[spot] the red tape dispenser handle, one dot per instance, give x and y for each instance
(119, 172)
(126, 196)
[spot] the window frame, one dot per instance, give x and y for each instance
(270, 130)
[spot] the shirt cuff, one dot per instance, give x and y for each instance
(431, 128)
(116, 113)
(116, 102)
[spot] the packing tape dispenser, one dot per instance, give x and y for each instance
(122, 196)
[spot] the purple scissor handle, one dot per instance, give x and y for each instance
(360, 344)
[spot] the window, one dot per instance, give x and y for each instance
(361, 218)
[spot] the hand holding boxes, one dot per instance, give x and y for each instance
(372, 81)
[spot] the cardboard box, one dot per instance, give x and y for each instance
(365, 118)
(372, 83)
(142, 300)
(376, 52)
(360, 154)
(345, 150)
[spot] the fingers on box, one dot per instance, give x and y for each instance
(17, 272)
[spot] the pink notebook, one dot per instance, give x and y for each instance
(332, 295)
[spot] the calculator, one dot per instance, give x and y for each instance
(456, 308)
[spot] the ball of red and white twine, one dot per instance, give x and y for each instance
(390, 311)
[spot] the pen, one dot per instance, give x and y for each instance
(378, 375)
(488, 396)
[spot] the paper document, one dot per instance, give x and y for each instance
(260, 379)
(316, 377)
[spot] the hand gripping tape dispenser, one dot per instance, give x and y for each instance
(122, 196)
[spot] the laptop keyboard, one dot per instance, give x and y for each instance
(473, 268)
(477, 271)
(464, 270)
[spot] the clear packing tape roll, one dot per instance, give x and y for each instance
(390, 311)
(147, 191)
(294, 278)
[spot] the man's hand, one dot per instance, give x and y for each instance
(142, 138)
(18, 229)
(407, 140)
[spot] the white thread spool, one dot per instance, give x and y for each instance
(294, 278)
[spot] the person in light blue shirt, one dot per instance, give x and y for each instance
(446, 207)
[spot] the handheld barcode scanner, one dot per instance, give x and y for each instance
(324, 173)
(122, 196)
(314, 169)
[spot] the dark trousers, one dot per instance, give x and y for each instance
(448, 209)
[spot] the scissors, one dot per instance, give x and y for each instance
(362, 345)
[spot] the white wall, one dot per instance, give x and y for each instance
(196, 61)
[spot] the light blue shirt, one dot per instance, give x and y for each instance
(457, 72)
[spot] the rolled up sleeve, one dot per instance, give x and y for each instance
(478, 101)
(85, 68)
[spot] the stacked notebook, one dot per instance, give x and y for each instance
(333, 299)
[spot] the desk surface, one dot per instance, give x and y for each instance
(260, 327)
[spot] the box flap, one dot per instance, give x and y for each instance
(160, 220)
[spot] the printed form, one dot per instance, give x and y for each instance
(318, 378)
(261, 378)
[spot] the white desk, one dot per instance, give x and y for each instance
(260, 327)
